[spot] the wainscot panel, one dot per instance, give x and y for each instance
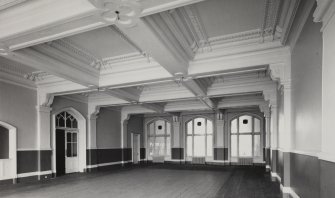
(327, 181)
(305, 175)
(177, 153)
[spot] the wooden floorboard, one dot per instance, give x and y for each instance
(153, 182)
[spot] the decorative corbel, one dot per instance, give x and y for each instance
(4, 50)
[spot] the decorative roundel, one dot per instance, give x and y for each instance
(123, 12)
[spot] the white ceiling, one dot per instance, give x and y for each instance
(175, 41)
(102, 42)
(222, 17)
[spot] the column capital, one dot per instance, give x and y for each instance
(219, 116)
(324, 11)
(42, 108)
(175, 119)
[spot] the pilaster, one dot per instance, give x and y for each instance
(176, 143)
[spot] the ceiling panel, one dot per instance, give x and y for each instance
(222, 17)
(103, 43)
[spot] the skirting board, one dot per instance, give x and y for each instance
(286, 190)
(34, 174)
(107, 164)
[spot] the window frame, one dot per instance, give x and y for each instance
(252, 133)
(165, 135)
(206, 134)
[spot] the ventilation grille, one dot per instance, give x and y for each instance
(158, 159)
(198, 160)
(245, 161)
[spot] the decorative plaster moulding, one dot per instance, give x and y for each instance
(121, 12)
(4, 4)
(324, 12)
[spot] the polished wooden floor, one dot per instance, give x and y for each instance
(153, 182)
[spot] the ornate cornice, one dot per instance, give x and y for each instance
(196, 27)
(77, 52)
(4, 4)
(36, 76)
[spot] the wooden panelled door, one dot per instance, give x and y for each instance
(71, 155)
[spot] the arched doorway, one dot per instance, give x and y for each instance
(69, 141)
(246, 139)
(8, 151)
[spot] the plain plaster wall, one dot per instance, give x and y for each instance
(18, 108)
(62, 102)
(280, 117)
(108, 129)
(306, 88)
(328, 90)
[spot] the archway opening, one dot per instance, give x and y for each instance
(69, 142)
(8, 149)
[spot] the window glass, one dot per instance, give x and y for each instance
(257, 146)
(159, 146)
(199, 146)
(233, 145)
(61, 122)
(160, 127)
(209, 127)
(69, 150)
(74, 145)
(245, 146)
(189, 144)
(209, 149)
(233, 126)
(151, 143)
(74, 137)
(152, 129)
(68, 123)
(189, 127)
(245, 124)
(65, 119)
(68, 137)
(75, 124)
(199, 126)
(257, 125)
(159, 141)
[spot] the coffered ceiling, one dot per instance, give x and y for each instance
(147, 52)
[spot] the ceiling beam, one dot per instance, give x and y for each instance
(151, 39)
(122, 94)
(200, 91)
(132, 95)
(77, 16)
(208, 102)
(35, 59)
(155, 107)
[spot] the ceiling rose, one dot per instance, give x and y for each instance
(119, 12)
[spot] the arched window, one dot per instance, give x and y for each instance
(159, 141)
(66, 120)
(199, 140)
(245, 140)
(4, 143)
